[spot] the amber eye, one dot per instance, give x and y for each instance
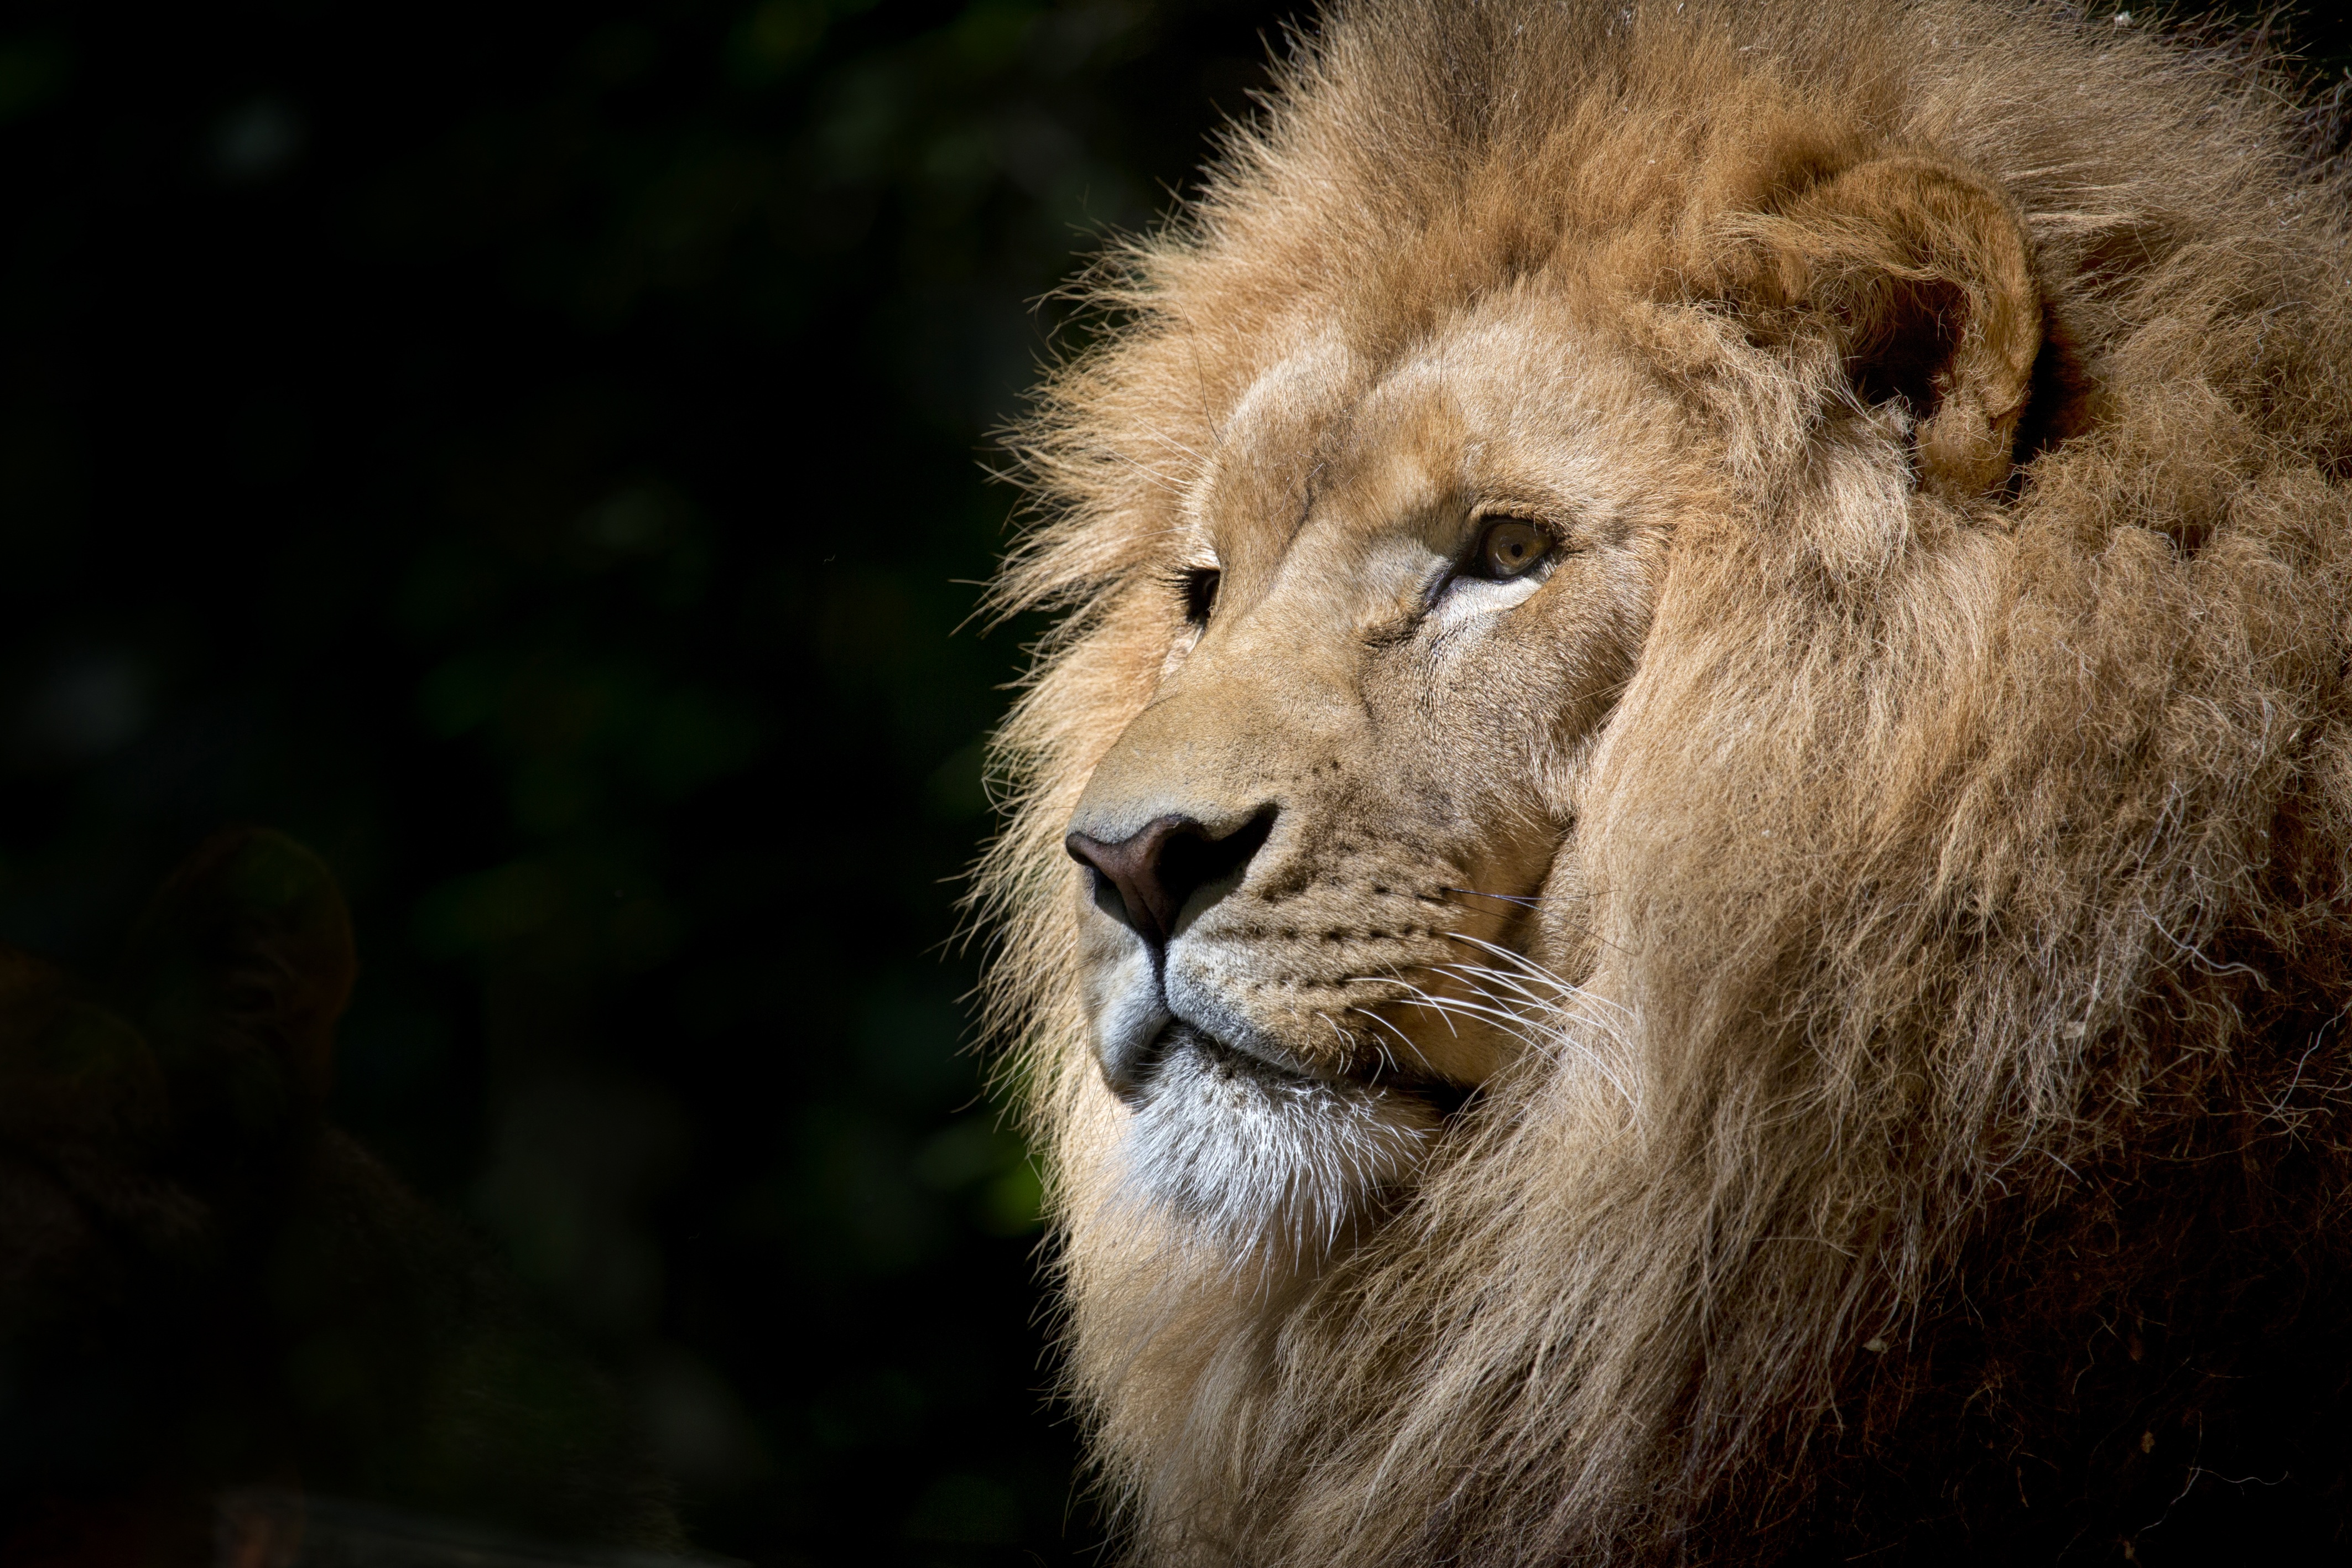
(1199, 586)
(1509, 546)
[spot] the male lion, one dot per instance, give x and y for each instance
(1680, 879)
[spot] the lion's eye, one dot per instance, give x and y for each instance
(1199, 588)
(1509, 548)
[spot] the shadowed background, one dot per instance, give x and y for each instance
(531, 454)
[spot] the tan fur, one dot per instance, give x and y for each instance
(1886, 886)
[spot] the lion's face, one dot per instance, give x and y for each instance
(1326, 863)
(1702, 711)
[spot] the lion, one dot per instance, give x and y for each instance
(1677, 888)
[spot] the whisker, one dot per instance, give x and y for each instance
(1403, 1038)
(1537, 1032)
(1529, 967)
(1471, 974)
(1457, 1007)
(1525, 901)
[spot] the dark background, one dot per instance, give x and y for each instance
(533, 453)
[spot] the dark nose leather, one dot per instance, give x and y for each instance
(1158, 868)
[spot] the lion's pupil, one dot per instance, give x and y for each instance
(1510, 548)
(1199, 593)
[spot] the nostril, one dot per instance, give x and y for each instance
(1159, 867)
(1126, 867)
(1189, 861)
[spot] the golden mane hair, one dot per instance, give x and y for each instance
(1969, 918)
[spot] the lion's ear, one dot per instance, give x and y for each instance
(1918, 272)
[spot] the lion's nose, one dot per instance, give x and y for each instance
(1160, 866)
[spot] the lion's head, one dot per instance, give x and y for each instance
(1681, 865)
(1310, 854)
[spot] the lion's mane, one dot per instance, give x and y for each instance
(1970, 908)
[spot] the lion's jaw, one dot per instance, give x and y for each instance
(1373, 885)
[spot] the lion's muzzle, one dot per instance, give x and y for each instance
(1148, 881)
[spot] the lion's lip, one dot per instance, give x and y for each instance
(1178, 1035)
(1444, 1097)
(1143, 1018)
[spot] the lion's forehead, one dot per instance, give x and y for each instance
(1259, 449)
(1516, 401)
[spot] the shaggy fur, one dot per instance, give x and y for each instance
(1935, 1136)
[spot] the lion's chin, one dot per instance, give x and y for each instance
(1267, 1167)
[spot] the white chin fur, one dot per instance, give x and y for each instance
(1263, 1168)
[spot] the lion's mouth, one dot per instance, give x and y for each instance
(1227, 1058)
(1178, 1037)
